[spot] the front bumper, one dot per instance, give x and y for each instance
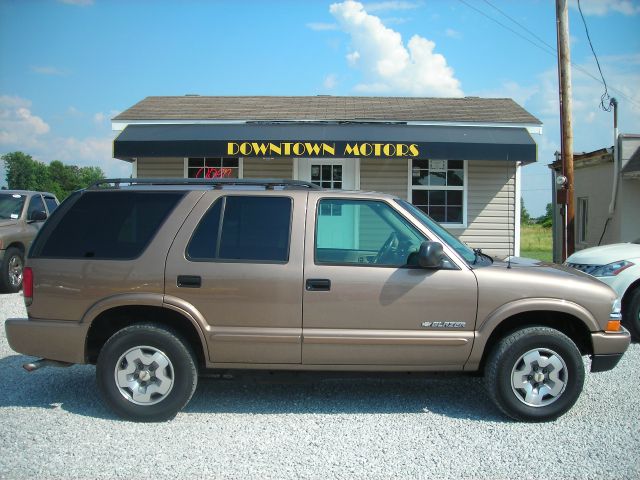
(62, 341)
(608, 348)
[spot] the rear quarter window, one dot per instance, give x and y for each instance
(105, 225)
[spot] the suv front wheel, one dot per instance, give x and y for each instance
(146, 373)
(535, 374)
(11, 274)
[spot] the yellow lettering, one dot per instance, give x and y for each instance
(349, 150)
(329, 149)
(298, 149)
(259, 148)
(402, 150)
(287, 148)
(245, 148)
(312, 148)
(275, 149)
(413, 150)
(387, 150)
(232, 148)
(366, 149)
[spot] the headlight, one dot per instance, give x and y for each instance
(612, 269)
(616, 309)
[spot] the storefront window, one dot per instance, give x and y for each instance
(437, 188)
(212, 167)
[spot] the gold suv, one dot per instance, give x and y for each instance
(156, 281)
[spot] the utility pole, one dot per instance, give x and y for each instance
(566, 130)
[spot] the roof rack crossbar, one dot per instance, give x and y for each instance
(267, 183)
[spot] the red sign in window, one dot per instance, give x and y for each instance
(213, 172)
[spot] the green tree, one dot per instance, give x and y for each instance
(25, 173)
(525, 218)
(546, 220)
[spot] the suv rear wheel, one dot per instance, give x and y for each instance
(535, 374)
(146, 373)
(11, 274)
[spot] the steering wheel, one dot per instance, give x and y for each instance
(387, 248)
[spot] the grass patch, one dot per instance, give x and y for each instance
(536, 242)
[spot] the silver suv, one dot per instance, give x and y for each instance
(156, 281)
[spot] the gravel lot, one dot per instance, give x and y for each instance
(53, 425)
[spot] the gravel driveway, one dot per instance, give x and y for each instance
(53, 425)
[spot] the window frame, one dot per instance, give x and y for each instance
(464, 189)
(223, 198)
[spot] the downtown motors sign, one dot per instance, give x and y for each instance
(322, 149)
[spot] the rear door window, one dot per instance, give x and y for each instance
(244, 228)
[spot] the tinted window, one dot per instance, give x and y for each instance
(51, 204)
(253, 229)
(35, 205)
(106, 225)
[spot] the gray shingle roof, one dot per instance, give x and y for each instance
(328, 108)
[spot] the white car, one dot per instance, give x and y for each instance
(618, 266)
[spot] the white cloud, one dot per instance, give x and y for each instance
(391, 5)
(21, 130)
(451, 33)
(604, 7)
(319, 26)
(17, 122)
(100, 118)
(79, 3)
(387, 64)
(47, 70)
(330, 81)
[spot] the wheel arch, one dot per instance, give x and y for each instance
(572, 322)
(110, 320)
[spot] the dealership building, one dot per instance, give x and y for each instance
(458, 159)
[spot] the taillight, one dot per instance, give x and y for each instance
(27, 285)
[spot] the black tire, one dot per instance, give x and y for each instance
(11, 274)
(631, 314)
(175, 369)
(560, 363)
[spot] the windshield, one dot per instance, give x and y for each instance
(11, 205)
(463, 250)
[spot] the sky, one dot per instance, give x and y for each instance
(68, 66)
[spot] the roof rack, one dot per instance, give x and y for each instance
(214, 183)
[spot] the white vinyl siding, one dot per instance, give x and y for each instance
(160, 167)
(491, 206)
(273, 168)
(384, 175)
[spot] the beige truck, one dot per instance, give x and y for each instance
(21, 216)
(158, 281)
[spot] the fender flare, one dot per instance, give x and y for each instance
(156, 300)
(487, 326)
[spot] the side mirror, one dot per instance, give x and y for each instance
(38, 216)
(430, 255)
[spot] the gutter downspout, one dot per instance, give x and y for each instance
(616, 159)
(616, 168)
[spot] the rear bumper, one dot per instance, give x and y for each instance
(62, 341)
(608, 349)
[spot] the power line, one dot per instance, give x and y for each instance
(545, 47)
(605, 95)
(533, 34)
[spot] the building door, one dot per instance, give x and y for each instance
(339, 227)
